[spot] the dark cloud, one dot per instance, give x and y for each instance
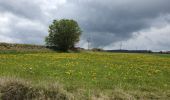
(119, 19)
(104, 21)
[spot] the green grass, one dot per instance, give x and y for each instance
(137, 75)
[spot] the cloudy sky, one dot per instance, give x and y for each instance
(136, 24)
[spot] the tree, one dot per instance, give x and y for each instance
(63, 34)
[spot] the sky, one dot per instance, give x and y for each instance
(136, 24)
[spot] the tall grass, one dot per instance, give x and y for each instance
(20, 89)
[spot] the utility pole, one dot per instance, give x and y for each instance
(136, 48)
(121, 46)
(88, 41)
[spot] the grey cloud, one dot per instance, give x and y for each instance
(120, 19)
(22, 8)
(105, 21)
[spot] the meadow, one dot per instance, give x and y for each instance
(90, 75)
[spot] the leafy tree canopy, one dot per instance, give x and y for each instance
(63, 34)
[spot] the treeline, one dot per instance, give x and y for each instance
(130, 51)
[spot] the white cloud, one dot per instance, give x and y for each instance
(19, 29)
(4, 22)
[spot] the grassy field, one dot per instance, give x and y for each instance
(91, 75)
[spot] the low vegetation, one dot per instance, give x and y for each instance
(85, 75)
(22, 48)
